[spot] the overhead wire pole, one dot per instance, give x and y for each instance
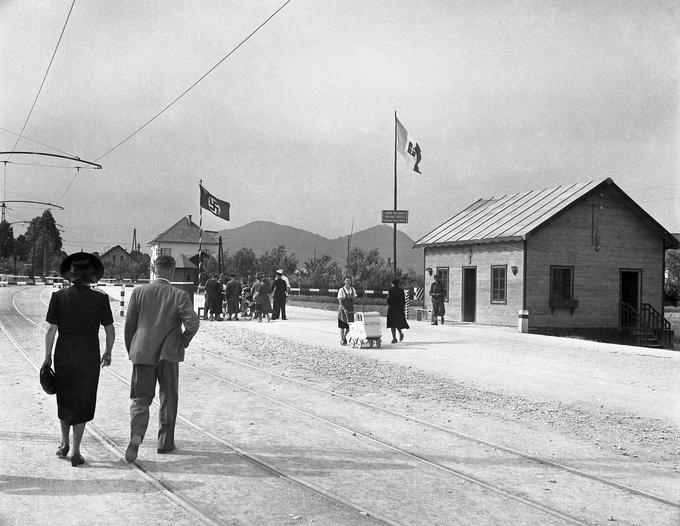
(195, 83)
(394, 234)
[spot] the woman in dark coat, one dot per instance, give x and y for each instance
(76, 314)
(396, 315)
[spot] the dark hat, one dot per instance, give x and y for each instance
(48, 380)
(81, 260)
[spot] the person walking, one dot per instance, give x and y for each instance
(346, 295)
(255, 290)
(437, 294)
(76, 313)
(155, 343)
(280, 290)
(396, 314)
(233, 291)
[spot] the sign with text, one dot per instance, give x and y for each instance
(395, 216)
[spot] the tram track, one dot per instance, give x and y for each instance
(167, 489)
(447, 430)
(490, 486)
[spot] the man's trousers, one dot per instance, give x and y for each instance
(142, 392)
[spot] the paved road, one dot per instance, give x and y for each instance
(323, 445)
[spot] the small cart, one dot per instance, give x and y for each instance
(365, 329)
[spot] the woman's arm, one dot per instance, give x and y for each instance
(49, 343)
(110, 338)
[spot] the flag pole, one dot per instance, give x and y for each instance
(394, 235)
(200, 228)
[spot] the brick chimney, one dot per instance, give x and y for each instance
(189, 221)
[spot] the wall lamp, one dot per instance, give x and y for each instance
(514, 270)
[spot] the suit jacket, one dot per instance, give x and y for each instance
(279, 287)
(153, 326)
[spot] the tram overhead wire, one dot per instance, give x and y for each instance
(140, 128)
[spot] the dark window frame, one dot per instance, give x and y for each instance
(561, 301)
(492, 288)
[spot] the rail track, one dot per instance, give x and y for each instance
(358, 431)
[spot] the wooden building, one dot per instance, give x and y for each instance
(119, 263)
(582, 259)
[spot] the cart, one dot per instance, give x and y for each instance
(365, 329)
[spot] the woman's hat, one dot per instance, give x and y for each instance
(81, 260)
(47, 380)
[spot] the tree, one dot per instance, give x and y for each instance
(242, 262)
(672, 281)
(369, 268)
(322, 272)
(45, 240)
(22, 249)
(6, 241)
(275, 259)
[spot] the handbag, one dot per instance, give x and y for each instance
(48, 380)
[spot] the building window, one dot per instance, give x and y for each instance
(562, 289)
(499, 283)
(443, 273)
(562, 283)
(164, 250)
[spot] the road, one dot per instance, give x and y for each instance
(258, 447)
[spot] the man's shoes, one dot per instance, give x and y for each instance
(284, 319)
(165, 450)
(442, 321)
(133, 448)
(433, 323)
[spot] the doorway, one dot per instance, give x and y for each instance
(469, 293)
(629, 294)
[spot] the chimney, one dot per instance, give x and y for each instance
(189, 223)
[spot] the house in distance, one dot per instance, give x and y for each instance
(581, 259)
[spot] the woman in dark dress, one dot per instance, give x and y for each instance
(264, 300)
(396, 315)
(76, 314)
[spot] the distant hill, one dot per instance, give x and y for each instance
(261, 236)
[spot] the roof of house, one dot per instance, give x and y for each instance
(513, 217)
(182, 261)
(117, 247)
(185, 231)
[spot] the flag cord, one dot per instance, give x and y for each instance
(200, 230)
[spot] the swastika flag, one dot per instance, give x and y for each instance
(216, 206)
(408, 148)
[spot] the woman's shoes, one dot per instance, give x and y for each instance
(62, 451)
(343, 342)
(77, 460)
(394, 340)
(401, 336)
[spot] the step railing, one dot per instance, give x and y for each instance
(652, 321)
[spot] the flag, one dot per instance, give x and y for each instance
(408, 148)
(216, 206)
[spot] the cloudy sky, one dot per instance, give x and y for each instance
(297, 125)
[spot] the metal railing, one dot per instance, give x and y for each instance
(647, 326)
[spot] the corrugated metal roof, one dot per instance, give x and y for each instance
(505, 218)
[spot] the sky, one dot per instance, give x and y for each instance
(297, 125)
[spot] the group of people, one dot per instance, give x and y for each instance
(259, 292)
(396, 311)
(159, 326)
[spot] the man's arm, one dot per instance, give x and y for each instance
(189, 318)
(131, 319)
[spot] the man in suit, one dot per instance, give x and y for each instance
(155, 343)
(280, 290)
(233, 291)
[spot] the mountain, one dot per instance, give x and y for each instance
(262, 236)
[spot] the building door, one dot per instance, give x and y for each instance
(630, 296)
(469, 293)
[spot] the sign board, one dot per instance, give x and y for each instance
(395, 216)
